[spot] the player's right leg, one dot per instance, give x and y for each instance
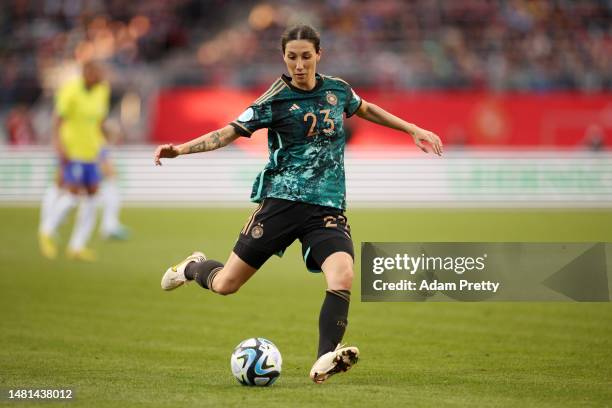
(51, 195)
(58, 211)
(253, 248)
(209, 274)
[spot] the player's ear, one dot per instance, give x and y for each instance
(319, 54)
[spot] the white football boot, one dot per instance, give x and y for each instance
(334, 362)
(175, 275)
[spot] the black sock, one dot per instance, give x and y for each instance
(333, 319)
(203, 272)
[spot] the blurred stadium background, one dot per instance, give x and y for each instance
(520, 91)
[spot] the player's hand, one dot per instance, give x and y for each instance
(165, 151)
(61, 153)
(422, 136)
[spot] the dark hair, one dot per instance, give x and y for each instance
(301, 32)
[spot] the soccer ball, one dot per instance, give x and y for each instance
(256, 361)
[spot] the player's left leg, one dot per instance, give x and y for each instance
(334, 358)
(110, 200)
(86, 217)
(338, 271)
(327, 247)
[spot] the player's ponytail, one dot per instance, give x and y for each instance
(301, 32)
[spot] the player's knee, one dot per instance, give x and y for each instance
(347, 275)
(343, 277)
(226, 286)
(74, 190)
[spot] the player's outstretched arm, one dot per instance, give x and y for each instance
(378, 115)
(210, 141)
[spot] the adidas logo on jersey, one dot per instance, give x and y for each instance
(294, 107)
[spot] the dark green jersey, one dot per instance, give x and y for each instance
(306, 140)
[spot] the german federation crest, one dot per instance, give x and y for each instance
(332, 99)
(257, 231)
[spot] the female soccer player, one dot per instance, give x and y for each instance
(81, 107)
(301, 191)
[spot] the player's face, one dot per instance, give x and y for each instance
(92, 74)
(301, 59)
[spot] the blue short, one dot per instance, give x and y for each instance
(81, 174)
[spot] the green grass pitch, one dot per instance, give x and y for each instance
(108, 331)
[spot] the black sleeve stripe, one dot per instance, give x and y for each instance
(349, 114)
(241, 130)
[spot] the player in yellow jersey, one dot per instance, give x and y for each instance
(109, 197)
(81, 106)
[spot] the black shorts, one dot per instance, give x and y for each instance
(276, 223)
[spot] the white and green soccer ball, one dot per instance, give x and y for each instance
(256, 362)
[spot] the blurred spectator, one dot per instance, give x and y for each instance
(19, 126)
